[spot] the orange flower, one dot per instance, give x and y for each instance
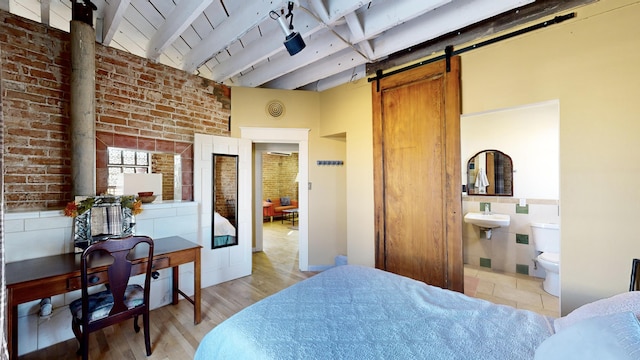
(71, 209)
(137, 207)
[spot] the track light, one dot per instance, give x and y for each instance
(293, 40)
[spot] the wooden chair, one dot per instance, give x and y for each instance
(120, 301)
(634, 285)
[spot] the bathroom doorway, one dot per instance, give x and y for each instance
(530, 135)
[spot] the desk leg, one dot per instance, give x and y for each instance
(175, 288)
(12, 326)
(196, 301)
(197, 316)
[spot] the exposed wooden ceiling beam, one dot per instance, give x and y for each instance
(387, 15)
(330, 11)
(319, 46)
(113, 15)
(318, 58)
(180, 18)
(483, 29)
(346, 59)
(228, 32)
(448, 18)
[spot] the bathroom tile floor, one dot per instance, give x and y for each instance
(520, 291)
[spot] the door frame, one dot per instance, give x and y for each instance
(292, 136)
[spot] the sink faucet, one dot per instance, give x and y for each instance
(487, 209)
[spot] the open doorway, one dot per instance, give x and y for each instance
(279, 166)
(286, 139)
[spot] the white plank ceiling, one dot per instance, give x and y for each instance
(237, 43)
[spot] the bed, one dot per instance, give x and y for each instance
(356, 312)
(224, 233)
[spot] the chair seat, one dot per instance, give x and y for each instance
(101, 303)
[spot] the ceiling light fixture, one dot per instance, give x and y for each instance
(293, 40)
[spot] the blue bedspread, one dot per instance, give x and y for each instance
(355, 312)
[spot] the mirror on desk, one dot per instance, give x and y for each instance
(101, 217)
(225, 201)
(490, 173)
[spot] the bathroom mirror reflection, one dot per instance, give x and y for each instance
(490, 173)
(225, 201)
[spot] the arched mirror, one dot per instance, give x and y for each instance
(490, 172)
(225, 201)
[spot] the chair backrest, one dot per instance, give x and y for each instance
(634, 285)
(122, 254)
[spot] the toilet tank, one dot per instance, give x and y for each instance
(546, 237)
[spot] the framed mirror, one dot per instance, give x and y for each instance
(490, 173)
(122, 162)
(225, 201)
(101, 217)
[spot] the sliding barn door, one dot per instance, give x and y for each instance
(416, 118)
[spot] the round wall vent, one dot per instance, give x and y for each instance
(275, 109)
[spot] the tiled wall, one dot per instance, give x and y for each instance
(510, 249)
(42, 233)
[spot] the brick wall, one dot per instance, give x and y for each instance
(139, 105)
(279, 175)
(164, 164)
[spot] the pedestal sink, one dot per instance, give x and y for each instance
(488, 221)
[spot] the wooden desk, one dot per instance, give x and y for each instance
(43, 277)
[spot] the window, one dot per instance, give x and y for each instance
(125, 161)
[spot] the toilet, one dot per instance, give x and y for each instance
(546, 239)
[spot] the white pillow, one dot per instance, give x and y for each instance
(628, 301)
(609, 337)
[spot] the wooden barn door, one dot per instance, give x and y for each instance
(416, 129)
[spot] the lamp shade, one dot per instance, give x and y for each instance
(294, 43)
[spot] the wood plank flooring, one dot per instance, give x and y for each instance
(173, 335)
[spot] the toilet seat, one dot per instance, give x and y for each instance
(550, 257)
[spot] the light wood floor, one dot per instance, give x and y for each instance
(173, 335)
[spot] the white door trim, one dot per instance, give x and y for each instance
(293, 136)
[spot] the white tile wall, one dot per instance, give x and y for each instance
(43, 233)
(502, 248)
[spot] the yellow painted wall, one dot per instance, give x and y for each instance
(592, 65)
(347, 109)
(327, 200)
